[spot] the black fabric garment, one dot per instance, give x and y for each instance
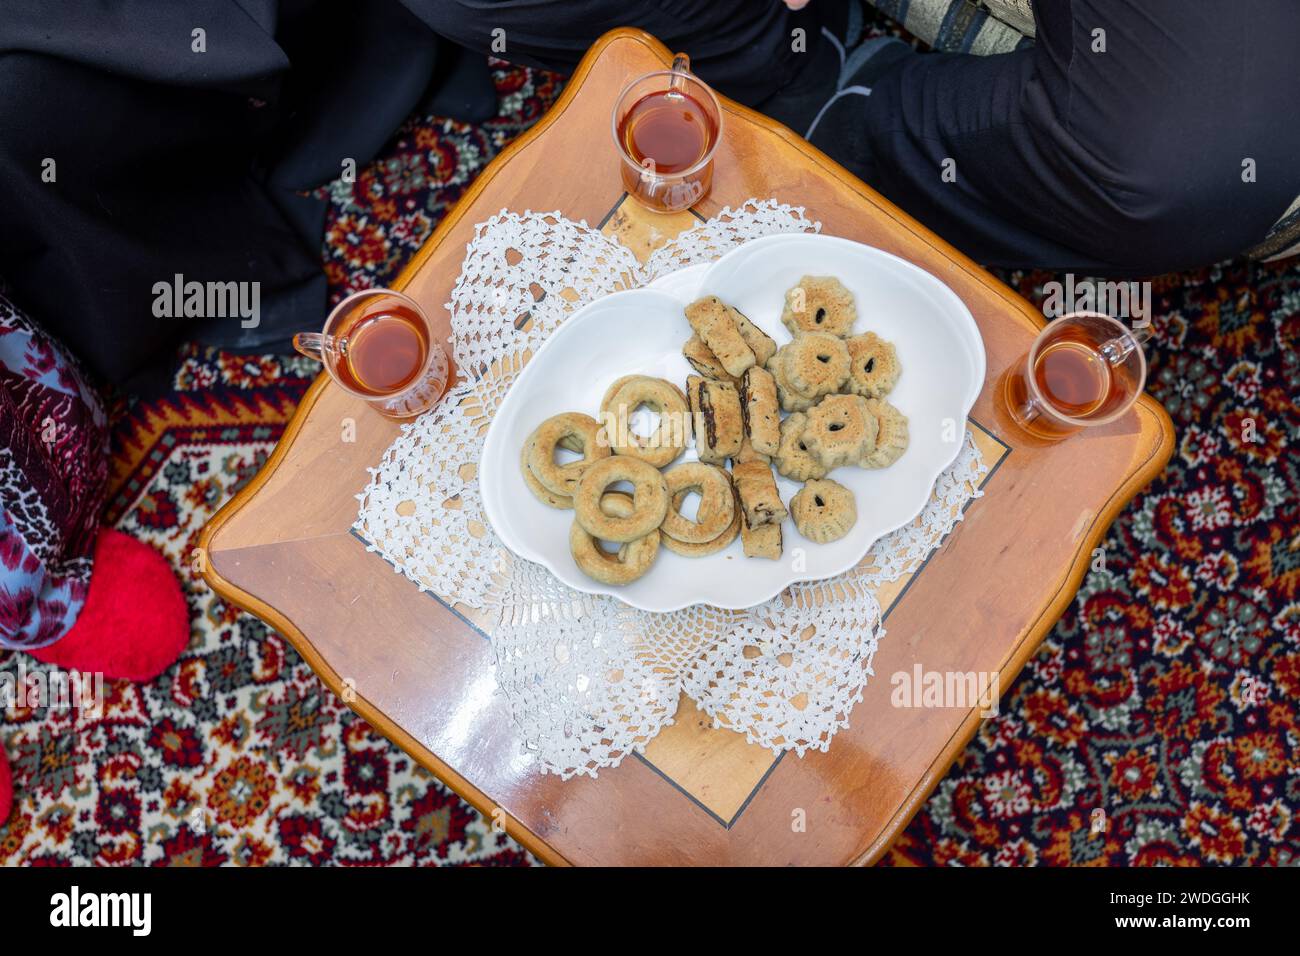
(744, 48)
(1123, 162)
(171, 161)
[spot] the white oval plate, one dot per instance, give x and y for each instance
(642, 331)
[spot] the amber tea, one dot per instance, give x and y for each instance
(666, 126)
(384, 352)
(378, 345)
(1084, 369)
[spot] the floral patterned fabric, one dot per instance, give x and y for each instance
(1165, 698)
(53, 467)
(238, 755)
(1159, 723)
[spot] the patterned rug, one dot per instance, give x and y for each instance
(1165, 697)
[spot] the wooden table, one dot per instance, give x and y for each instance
(420, 674)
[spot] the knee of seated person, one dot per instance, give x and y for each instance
(1164, 211)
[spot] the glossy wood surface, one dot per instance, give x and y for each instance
(416, 671)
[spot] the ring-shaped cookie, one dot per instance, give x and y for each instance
(543, 494)
(571, 430)
(816, 363)
(633, 559)
(649, 498)
(717, 502)
(669, 438)
(708, 547)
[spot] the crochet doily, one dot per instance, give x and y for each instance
(588, 678)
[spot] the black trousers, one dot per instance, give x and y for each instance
(1132, 139)
(744, 48)
(142, 139)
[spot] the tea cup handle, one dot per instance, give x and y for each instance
(1118, 349)
(1029, 409)
(681, 68)
(313, 344)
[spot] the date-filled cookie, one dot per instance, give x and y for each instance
(759, 499)
(704, 361)
(761, 410)
(747, 453)
(840, 430)
(762, 542)
(717, 423)
(760, 343)
(793, 459)
(823, 510)
(891, 437)
(712, 322)
(873, 366)
(815, 364)
(819, 304)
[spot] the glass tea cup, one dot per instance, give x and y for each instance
(1084, 369)
(667, 126)
(378, 344)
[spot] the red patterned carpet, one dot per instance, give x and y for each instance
(1165, 697)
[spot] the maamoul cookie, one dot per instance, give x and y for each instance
(669, 438)
(793, 459)
(704, 361)
(760, 501)
(873, 366)
(717, 502)
(892, 436)
(790, 399)
(718, 427)
(571, 430)
(709, 547)
(816, 364)
(633, 559)
(840, 430)
(539, 490)
(760, 410)
(761, 542)
(649, 498)
(819, 304)
(760, 343)
(824, 510)
(710, 319)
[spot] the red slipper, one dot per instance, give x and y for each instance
(6, 790)
(135, 622)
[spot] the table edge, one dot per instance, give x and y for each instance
(1155, 463)
(234, 594)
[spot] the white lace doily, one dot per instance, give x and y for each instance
(588, 678)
